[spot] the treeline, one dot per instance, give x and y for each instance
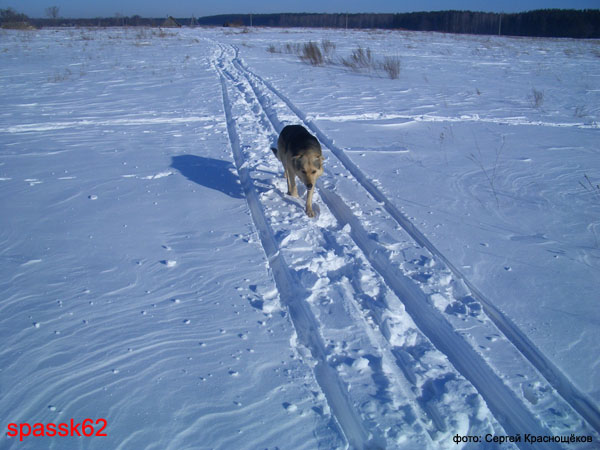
(542, 23)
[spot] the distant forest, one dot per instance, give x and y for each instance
(540, 23)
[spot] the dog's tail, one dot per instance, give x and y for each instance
(274, 150)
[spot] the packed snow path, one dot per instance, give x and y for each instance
(156, 274)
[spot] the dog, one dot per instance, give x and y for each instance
(301, 156)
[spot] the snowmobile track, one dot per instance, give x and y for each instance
(555, 377)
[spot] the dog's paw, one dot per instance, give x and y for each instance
(310, 213)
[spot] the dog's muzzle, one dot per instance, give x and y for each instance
(309, 186)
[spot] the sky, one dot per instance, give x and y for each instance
(187, 8)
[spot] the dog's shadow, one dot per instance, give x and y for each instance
(221, 176)
(211, 173)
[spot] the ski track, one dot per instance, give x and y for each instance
(295, 297)
(578, 400)
(255, 94)
(292, 296)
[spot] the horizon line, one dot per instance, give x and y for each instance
(309, 13)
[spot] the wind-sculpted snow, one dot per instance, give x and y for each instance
(155, 274)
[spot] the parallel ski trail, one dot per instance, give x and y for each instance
(293, 296)
(391, 368)
(499, 397)
(555, 377)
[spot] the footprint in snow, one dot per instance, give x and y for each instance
(466, 305)
(289, 407)
(169, 262)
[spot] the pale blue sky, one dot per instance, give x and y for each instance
(187, 8)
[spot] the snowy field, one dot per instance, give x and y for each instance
(155, 277)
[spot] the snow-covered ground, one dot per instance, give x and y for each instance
(155, 275)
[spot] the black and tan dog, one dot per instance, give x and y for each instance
(301, 156)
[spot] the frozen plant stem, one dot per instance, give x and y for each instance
(491, 177)
(595, 190)
(538, 98)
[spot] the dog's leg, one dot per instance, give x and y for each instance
(287, 179)
(309, 195)
(291, 180)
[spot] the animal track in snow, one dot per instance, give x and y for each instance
(169, 262)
